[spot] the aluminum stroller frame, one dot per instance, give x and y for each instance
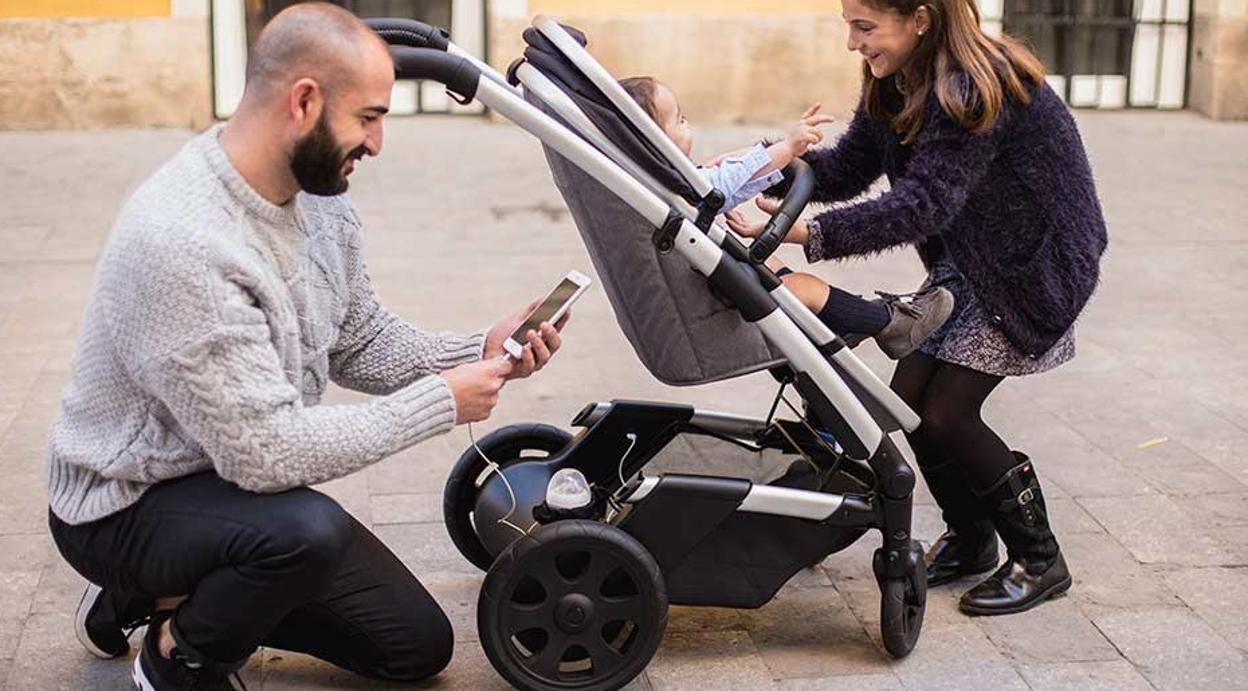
(580, 600)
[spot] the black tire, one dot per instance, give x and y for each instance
(504, 446)
(573, 605)
(903, 602)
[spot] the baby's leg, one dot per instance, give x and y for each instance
(844, 313)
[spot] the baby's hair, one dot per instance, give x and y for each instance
(642, 90)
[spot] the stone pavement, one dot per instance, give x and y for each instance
(1140, 441)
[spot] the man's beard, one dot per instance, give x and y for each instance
(318, 160)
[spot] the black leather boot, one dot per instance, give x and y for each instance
(1035, 570)
(969, 545)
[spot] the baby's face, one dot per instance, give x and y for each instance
(671, 119)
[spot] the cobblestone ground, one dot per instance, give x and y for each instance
(1140, 441)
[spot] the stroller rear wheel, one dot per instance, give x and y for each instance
(902, 602)
(575, 604)
(504, 446)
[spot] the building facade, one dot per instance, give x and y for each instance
(180, 63)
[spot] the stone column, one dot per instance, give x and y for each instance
(1219, 59)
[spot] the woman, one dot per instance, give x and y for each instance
(989, 178)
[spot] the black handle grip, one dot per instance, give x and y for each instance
(458, 74)
(777, 229)
(408, 32)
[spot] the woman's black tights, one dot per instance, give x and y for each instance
(949, 398)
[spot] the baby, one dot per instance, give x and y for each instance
(897, 326)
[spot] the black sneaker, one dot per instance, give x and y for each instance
(154, 672)
(97, 627)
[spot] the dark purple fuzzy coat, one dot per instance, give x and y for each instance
(1015, 208)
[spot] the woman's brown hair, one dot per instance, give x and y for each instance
(972, 73)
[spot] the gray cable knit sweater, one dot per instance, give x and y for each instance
(215, 322)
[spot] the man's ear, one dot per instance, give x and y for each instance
(307, 100)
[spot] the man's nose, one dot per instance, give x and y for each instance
(372, 144)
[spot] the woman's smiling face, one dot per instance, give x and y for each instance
(885, 38)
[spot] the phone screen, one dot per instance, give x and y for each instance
(561, 294)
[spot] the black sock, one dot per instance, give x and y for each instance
(846, 313)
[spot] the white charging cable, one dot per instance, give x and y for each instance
(498, 469)
(632, 441)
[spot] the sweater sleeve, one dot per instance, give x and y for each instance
(948, 163)
(377, 352)
(227, 389)
(845, 170)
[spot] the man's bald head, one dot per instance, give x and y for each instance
(311, 40)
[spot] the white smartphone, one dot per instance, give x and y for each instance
(551, 310)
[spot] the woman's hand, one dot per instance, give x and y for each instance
(739, 225)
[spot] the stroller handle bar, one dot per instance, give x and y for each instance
(409, 32)
(777, 229)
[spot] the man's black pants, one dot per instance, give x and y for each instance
(292, 571)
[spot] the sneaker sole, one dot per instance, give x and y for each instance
(88, 599)
(140, 679)
(1054, 590)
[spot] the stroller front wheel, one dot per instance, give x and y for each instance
(903, 602)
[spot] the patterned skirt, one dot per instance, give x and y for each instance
(970, 339)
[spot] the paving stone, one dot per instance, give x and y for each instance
(812, 632)
(1156, 530)
(1216, 595)
(427, 550)
(425, 507)
(1235, 539)
(1116, 675)
(1067, 517)
(50, 658)
(17, 589)
(1175, 649)
(420, 469)
(681, 619)
(1073, 463)
(851, 682)
(1107, 575)
(1083, 424)
(352, 494)
(287, 671)
(25, 552)
(715, 660)
(458, 598)
(961, 657)
(1219, 510)
(1055, 632)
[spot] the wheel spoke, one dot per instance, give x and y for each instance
(604, 657)
(547, 573)
(619, 609)
(517, 617)
(546, 663)
(600, 566)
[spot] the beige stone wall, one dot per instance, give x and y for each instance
(58, 73)
(1219, 59)
(735, 67)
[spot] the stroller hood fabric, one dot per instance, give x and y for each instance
(681, 332)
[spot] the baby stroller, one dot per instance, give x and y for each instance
(578, 598)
